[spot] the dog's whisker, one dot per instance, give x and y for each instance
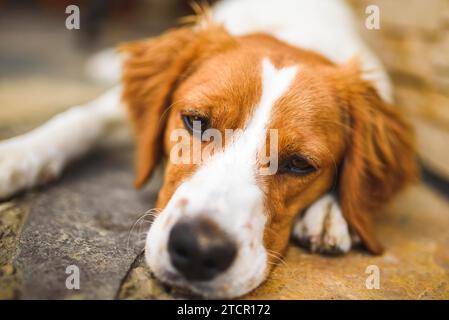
(166, 111)
(149, 213)
(277, 257)
(157, 210)
(146, 221)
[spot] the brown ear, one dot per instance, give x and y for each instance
(380, 158)
(150, 74)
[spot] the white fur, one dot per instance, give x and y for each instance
(323, 227)
(39, 155)
(105, 67)
(225, 190)
(325, 26)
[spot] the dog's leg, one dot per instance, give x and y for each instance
(322, 228)
(40, 155)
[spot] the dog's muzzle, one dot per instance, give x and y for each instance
(199, 249)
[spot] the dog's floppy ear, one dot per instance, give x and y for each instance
(151, 72)
(380, 156)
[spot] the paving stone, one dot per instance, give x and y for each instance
(12, 218)
(84, 219)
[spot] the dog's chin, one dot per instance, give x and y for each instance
(204, 290)
(209, 289)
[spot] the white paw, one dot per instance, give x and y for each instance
(23, 165)
(322, 228)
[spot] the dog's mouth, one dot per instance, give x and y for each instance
(190, 288)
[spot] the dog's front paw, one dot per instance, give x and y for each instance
(16, 167)
(23, 165)
(322, 228)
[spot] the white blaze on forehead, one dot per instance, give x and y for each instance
(225, 190)
(231, 175)
(242, 152)
(275, 82)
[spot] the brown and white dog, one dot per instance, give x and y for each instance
(342, 148)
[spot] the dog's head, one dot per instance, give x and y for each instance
(227, 216)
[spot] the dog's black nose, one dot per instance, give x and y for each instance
(200, 250)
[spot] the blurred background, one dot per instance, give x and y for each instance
(42, 63)
(413, 43)
(42, 72)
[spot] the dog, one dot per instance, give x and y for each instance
(342, 149)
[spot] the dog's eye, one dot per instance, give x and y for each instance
(195, 124)
(299, 166)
